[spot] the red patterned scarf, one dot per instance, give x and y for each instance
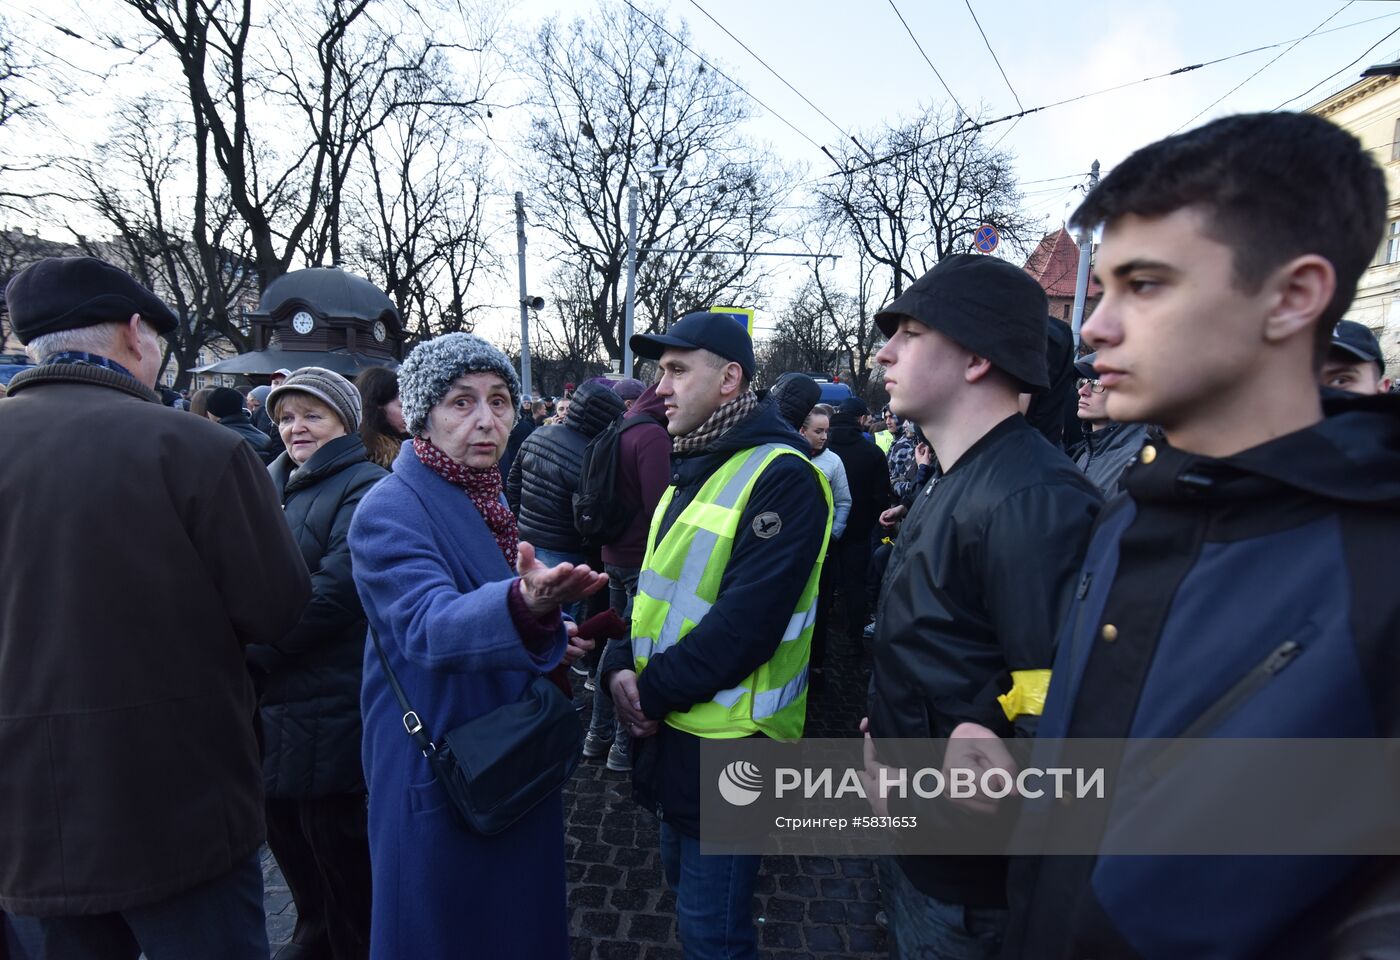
(484, 487)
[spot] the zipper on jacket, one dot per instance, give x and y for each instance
(1256, 679)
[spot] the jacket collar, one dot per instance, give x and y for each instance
(81, 373)
(333, 457)
(1352, 455)
(452, 512)
(988, 440)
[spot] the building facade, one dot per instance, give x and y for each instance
(1370, 110)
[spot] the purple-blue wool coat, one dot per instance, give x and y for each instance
(434, 587)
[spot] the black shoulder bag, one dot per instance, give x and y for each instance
(499, 766)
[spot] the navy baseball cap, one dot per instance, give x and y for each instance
(1357, 340)
(1084, 366)
(718, 333)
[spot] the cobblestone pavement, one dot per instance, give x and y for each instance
(619, 907)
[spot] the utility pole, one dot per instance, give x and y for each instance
(631, 280)
(1086, 246)
(524, 297)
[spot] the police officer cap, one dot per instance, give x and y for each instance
(65, 293)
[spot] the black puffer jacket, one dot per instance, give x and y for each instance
(545, 473)
(310, 680)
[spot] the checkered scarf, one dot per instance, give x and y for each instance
(719, 423)
(484, 487)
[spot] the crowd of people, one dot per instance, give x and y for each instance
(283, 618)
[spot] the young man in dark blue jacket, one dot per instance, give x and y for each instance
(1240, 590)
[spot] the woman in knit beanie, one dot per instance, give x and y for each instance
(309, 708)
(467, 618)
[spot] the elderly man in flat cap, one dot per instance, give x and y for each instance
(143, 549)
(983, 568)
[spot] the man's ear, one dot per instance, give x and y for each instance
(732, 381)
(1303, 288)
(977, 368)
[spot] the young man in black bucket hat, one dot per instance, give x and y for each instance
(970, 640)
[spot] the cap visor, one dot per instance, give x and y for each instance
(1356, 352)
(653, 345)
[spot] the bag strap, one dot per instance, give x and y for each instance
(411, 723)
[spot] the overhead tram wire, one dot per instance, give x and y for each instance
(995, 58)
(737, 85)
(967, 116)
(1266, 66)
(1334, 76)
(775, 73)
(1085, 96)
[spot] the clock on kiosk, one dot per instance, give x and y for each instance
(303, 322)
(381, 332)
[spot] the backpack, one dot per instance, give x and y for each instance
(599, 513)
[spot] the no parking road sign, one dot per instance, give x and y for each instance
(986, 238)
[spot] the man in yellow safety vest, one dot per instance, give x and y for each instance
(724, 612)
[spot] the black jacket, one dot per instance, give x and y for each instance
(518, 433)
(241, 423)
(978, 582)
(1105, 453)
(543, 479)
(757, 595)
(1054, 410)
(867, 471)
(310, 704)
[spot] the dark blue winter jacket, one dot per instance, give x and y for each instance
(1206, 571)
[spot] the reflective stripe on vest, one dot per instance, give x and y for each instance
(679, 583)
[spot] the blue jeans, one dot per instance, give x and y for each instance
(714, 898)
(552, 558)
(923, 928)
(622, 589)
(218, 920)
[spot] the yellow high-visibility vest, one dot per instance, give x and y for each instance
(680, 581)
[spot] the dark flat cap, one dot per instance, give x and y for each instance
(985, 305)
(65, 293)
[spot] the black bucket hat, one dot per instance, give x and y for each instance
(986, 305)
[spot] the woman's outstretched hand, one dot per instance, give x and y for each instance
(546, 588)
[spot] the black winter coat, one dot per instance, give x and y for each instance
(977, 585)
(867, 471)
(310, 704)
(545, 474)
(241, 423)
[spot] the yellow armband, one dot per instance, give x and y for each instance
(1027, 694)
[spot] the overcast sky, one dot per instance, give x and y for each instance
(855, 61)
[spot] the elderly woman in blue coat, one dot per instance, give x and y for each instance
(467, 616)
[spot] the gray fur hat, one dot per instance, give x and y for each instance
(428, 372)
